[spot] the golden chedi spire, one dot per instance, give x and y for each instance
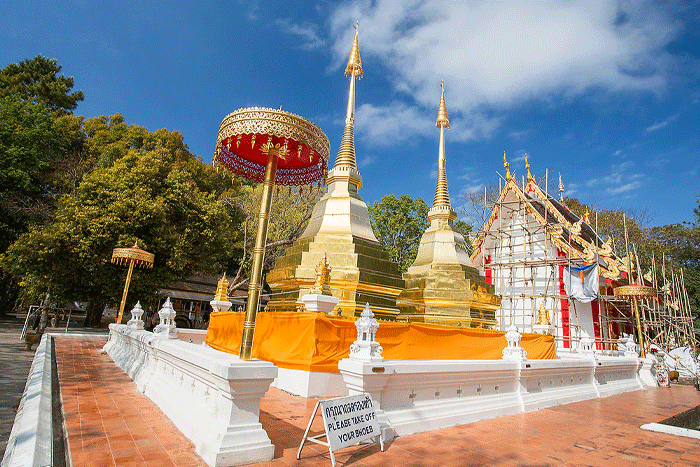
(346, 152)
(340, 225)
(507, 167)
(442, 284)
(441, 203)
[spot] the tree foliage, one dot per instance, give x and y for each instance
(399, 224)
(36, 81)
(156, 192)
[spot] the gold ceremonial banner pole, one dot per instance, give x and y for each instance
(276, 148)
(126, 291)
(255, 284)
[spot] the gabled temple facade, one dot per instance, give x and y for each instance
(525, 249)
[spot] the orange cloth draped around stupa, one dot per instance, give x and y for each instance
(315, 342)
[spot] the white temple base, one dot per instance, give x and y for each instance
(310, 384)
(212, 397)
(413, 396)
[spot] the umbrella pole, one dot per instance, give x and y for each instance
(126, 291)
(254, 285)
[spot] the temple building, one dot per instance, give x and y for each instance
(361, 271)
(442, 285)
(531, 248)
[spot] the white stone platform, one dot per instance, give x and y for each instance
(212, 397)
(416, 396)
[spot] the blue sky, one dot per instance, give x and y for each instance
(606, 93)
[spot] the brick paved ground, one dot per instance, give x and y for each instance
(110, 423)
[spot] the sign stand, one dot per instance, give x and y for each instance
(346, 421)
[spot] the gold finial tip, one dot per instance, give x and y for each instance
(442, 119)
(527, 166)
(507, 166)
(357, 27)
(354, 67)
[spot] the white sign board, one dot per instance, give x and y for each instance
(346, 421)
(349, 420)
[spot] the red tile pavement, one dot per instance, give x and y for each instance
(110, 422)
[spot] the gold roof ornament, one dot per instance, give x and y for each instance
(585, 216)
(354, 66)
(441, 202)
(561, 189)
(222, 290)
(576, 227)
(613, 271)
(606, 249)
(647, 276)
(507, 166)
(543, 316)
(527, 166)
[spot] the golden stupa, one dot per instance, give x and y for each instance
(442, 285)
(361, 271)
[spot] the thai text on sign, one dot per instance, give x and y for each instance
(349, 420)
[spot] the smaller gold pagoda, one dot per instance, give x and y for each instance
(442, 285)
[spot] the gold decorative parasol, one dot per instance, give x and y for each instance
(273, 147)
(131, 256)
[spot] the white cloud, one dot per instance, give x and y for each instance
(366, 161)
(662, 124)
(494, 55)
(385, 125)
(624, 188)
(307, 31)
(518, 134)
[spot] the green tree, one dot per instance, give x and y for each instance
(157, 193)
(36, 81)
(39, 139)
(399, 224)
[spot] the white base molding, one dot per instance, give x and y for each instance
(412, 396)
(310, 384)
(212, 397)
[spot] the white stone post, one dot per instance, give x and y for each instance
(136, 313)
(366, 347)
(629, 346)
(586, 344)
(513, 352)
(166, 329)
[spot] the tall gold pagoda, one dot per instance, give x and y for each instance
(361, 270)
(442, 285)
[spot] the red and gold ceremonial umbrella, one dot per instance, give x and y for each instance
(273, 147)
(133, 256)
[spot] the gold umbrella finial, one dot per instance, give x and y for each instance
(507, 166)
(527, 166)
(354, 67)
(442, 119)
